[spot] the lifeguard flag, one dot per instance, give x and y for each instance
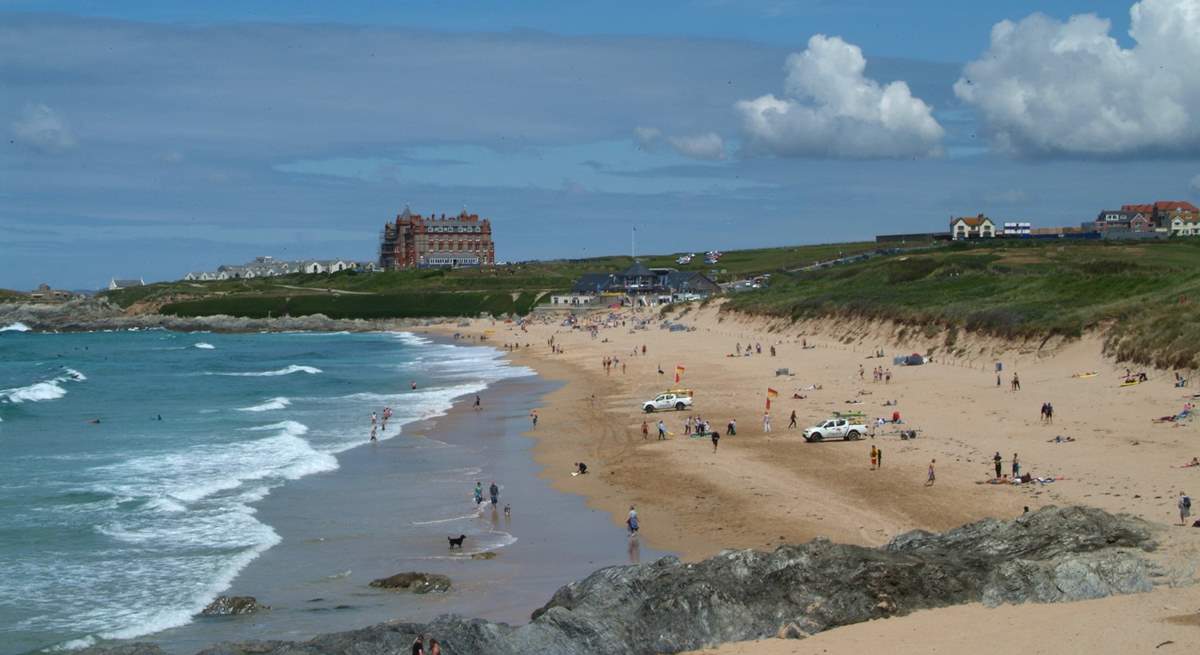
(771, 393)
(678, 372)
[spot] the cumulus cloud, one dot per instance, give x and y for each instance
(41, 128)
(708, 145)
(831, 110)
(1051, 88)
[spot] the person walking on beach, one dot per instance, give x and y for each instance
(766, 421)
(632, 521)
(861, 372)
(731, 428)
(932, 477)
(645, 430)
(494, 492)
(1050, 413)
(662, 430)
(478, 492)
(533, 417)
(879, 458)
(1185, 508)
(874, 455)
(1016, 467)
(792, 423)
(1016, 383)
(477, 403)
(997, 459)
(716, 438)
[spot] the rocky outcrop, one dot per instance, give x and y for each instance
(418, 583)
(92, 314)
(1054, 554)
(233, 606)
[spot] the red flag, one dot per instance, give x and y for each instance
(679, 369)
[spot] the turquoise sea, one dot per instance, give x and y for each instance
(132, 463)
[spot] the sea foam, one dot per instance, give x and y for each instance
(294, 368)
(15, 327)
(44, 390)
(278, 402)
(204, 346)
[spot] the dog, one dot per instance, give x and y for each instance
(508, 511)
(456, 541)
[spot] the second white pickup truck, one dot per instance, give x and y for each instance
(668, 400)
(835, 428)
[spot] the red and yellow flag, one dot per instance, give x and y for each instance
(679, 369)
(771, 393)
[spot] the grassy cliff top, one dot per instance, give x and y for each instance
(1142, 296)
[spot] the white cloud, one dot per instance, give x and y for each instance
(41, 128)
(831, 110)
(647, 138)
(1052, 88)
(700, 146)
(708, 145)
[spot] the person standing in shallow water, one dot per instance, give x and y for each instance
(494, 492)
(478, 492)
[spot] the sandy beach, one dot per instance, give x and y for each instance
(761, 489)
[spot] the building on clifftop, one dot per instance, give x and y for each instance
(416, 241)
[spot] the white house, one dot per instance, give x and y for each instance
(1185, 226)
(972, 227)
(312, 267)
(114, 284)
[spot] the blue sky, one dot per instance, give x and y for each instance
(151, 138)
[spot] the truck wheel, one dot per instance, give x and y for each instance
(816, 436)
(679, 407)
(649, 409)
(852, 435)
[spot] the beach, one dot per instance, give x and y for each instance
(762, 489)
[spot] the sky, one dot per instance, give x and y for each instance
(149, 139)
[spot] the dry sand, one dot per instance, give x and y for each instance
(761, 489)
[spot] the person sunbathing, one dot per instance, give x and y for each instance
(797, 396)
(1195, 462)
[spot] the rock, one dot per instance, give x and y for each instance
(418, 583)
(232, 606)
(667, 606)
(487, 555)
(790, 631)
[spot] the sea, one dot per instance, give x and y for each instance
(144, 472)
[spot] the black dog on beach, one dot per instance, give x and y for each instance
(456, 541)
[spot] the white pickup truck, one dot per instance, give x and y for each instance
(668, 400)
(835, 428)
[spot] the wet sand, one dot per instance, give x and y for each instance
(339, 531)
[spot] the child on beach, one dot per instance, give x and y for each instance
(930, 480)
(874, 455)
(1185, 508)
(716, 438)
(645, 430)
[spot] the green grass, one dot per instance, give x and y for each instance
(438, 292)
(1140, 295)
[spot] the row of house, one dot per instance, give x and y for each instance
(271, 267)
(1161, 219)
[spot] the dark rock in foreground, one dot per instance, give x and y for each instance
(418, 583)
(1054, 554)
(232, 606)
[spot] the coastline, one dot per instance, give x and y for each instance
(336, 535)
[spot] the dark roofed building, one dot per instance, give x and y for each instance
(640, 279)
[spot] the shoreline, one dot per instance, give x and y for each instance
(335, 527)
